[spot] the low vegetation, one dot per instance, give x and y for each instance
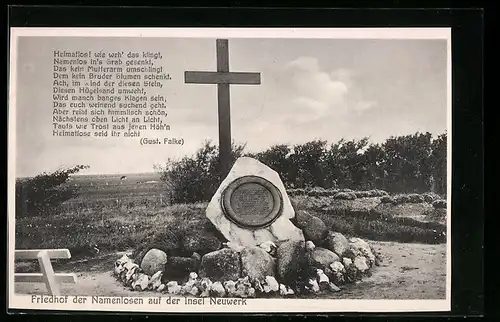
(195, 178)
(369, 218)
(44, 194)
(411, 164)
(108, 228)
(94, 214)
(126, 221)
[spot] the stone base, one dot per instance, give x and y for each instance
(253, 272)
(280, 230)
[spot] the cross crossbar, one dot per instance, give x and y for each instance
(223, 78)
(241, 78)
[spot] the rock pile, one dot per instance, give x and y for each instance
(134, 277)
(323, 263)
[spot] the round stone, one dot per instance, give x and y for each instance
(252, 202)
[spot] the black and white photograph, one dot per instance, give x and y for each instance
(243, 170)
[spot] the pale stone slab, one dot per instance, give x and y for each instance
(280, 230)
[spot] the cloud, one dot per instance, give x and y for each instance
(317, 93)
(310, 104)
(362, 106)
(305, 63)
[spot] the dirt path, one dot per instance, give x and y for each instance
(408, 271)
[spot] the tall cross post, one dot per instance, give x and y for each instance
(223, 78)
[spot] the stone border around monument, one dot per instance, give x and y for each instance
(241, 222)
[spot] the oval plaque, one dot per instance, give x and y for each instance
(252, 202)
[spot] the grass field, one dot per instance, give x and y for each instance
(117, 214)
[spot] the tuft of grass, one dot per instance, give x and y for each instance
(439, 204)
(345, 196)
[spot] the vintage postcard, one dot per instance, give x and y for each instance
(230, 170)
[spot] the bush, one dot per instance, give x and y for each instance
(362, 194)
(401, 199)
(415, 198)
(345, 196)
(296, 192)
(410, 198)
(318, 192)
(439, 163)
(196, 178)
(405, 164)
(430, 197)
(380, 193)
(439, 204)
(387, 199)
(333, 192)
(44, 194)
(371, 193)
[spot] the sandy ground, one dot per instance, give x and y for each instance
(408, 271)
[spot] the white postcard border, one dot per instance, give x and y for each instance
(254, 305)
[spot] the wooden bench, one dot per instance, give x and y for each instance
(47, 276)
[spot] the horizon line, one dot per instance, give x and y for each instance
(434, 136)
(94, 174)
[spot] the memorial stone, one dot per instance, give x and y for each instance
(251, 206)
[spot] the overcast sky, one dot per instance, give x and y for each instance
(326, 89)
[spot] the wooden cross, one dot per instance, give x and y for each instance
(223, 78)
